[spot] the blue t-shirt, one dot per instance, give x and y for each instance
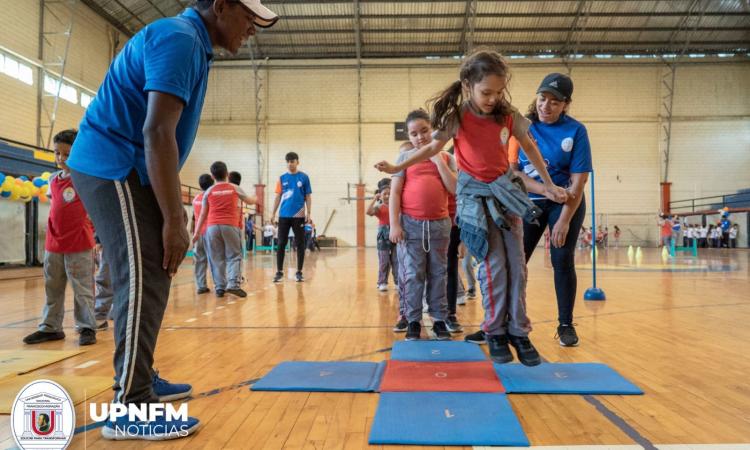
(172, 56)
(725, 225)
(293, 189)
(565, 148)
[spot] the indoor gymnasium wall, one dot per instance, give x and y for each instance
(314, 111)
(87, 63)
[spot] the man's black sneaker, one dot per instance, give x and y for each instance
(567, 335)
(453, 325)
(441, 331)
(87, 337)
(202, 290)
(525, 350)
(238, 292)
(220, 293)
(277, 278)
(38, 337)
(476, 338)
(414, 331)
(300, 278)
(499, 350)
(401, 325)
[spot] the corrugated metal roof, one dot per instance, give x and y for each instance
(395, 28)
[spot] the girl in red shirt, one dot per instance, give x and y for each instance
(475, 113)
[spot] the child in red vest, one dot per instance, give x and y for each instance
(68, 256)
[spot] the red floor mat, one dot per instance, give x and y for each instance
(403, 376)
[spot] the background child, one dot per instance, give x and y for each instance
(220, 212)
(294, 197)
(420, 225)
(387, 260)
(490, 200)
(68, 255)
(200, 258)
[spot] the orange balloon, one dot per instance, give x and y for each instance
(43, 198)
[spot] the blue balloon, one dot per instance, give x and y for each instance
(5, 194)
(38, 182)
(2, 178)
(23, 178)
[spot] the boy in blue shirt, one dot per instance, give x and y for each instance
(293, 194)
(133, 140)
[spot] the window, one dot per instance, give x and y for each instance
(10, 67)
(25, 74)
(50, 85)
(67, 92)
(85, 99)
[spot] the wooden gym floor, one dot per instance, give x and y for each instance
(679, 331)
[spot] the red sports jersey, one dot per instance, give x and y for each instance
(424, 196)
(197, 207)
(222, 199)
(383, 215)
(69, 229)
(481, 146)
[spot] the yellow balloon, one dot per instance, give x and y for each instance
(34, 191)
(15, 194)
(45, 189)
(45, 175)
(10, 179)
(43, 198)
(6, 186)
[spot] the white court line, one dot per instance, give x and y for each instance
(220, 307)
(231, 302)
(192, 319)
(628, 447)
(208, 313)
(86, 364)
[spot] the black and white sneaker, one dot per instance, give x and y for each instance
(300, 278)
(525, 350)
(453, 325)
(401, 325)
(471, 293)
(414, 332)
(476, 338)
(567, 335)
(499, 350)
(277, 278)
(441, 331)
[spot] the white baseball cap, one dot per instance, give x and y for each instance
(264, 17)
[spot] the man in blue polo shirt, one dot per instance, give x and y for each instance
(293, 194)
(133, 140)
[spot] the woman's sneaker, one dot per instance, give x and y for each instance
(476, 338)
(441, 331)
(401, 325)
(414, 332)
(567, 335)
(277, 278)
(156, 430)
(525, 350)
(499, 350)
(382, 287)
(453, 325)
(169, 392)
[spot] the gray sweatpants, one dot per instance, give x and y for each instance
(200, 262)
(128, 222)
(59, 268)
(224, 247)
(423, 259)
(502, 278)
(104, 295)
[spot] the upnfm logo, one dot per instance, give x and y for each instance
(142, 421)
(42, 416)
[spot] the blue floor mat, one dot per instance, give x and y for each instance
(437, 351)
(446, 418)
(320, 376)
(560, 378)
